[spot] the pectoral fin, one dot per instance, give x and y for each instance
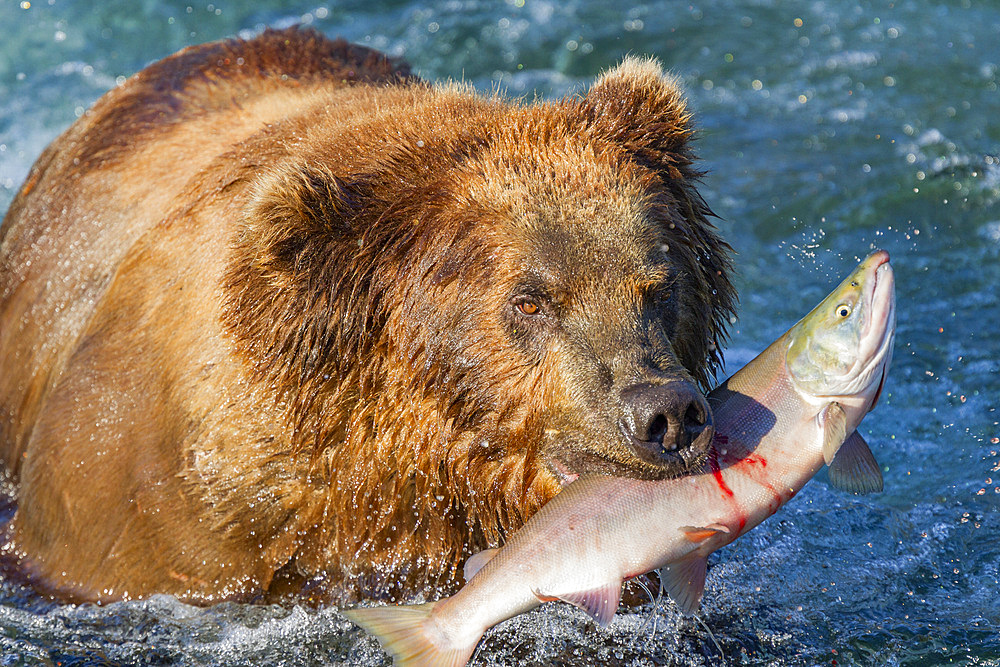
(684, 581)
(854, 468)
(701, 533)
(601, 603)
(477, 561)
(833, 422)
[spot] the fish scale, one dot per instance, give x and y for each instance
(778, 420)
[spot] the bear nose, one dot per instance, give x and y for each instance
(664, 418)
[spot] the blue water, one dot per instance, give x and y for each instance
(828, 128)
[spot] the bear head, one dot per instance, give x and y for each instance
(465, 302)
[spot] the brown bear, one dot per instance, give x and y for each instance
(279, 318)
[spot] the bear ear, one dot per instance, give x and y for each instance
(639, 107)
(299, 224)
(295, 213)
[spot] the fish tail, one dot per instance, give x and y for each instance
(409, 634)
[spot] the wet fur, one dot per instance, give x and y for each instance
(264, 371)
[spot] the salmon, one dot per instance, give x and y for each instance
(792, 409)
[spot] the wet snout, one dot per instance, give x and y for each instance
(668, 425)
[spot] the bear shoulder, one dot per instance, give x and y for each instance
(219, 77)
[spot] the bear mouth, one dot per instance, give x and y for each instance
(636, 460)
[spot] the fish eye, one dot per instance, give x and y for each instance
(843, 310)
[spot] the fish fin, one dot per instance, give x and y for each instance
(854, 468)
(833, 421)
(477, 561)
(409, 634)
(601, 603)
(701, 533)
(684, 581)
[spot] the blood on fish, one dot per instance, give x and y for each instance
(713, 462)
(721, 482)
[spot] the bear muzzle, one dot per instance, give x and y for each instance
(668, 426)
(655, 430)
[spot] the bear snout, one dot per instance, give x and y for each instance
(668, 425)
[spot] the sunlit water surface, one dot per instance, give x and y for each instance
(827, 128)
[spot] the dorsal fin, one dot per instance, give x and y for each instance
(477, 561)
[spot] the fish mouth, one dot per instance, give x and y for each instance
(879, 329)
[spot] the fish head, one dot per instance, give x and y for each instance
(842, 348)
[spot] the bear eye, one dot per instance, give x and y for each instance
(528, 307)
(843, 310)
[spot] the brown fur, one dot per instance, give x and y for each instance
(258, 324)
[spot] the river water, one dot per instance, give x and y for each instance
(828, 128)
